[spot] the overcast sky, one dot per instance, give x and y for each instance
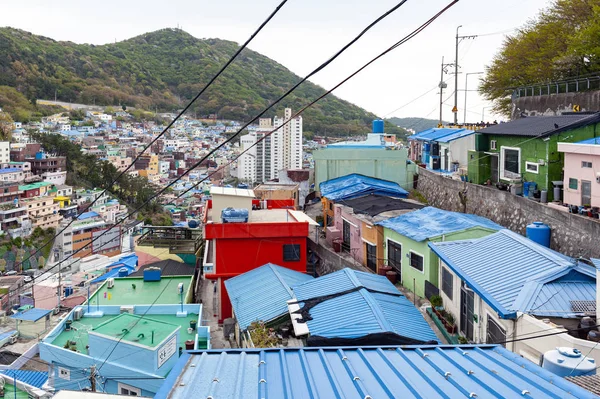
(306, 32)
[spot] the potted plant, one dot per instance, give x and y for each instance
(462, 340)
(451, 326)
(193, 324)
(436, 304)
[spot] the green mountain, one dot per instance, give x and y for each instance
(417, 124)
(161, 71)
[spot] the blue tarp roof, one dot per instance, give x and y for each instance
(34, 378)
(434, 134)
(509, 271)
(482, 371)
(262, 294)
(129, 262)
(361, 312)
(87, 215)
(432, 222)
(356, 185)
(593, 140)
(33, 314)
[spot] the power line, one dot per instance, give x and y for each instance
(321, 67)
(393, 47)
(242, 47)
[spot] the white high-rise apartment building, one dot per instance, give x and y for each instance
(280, 150)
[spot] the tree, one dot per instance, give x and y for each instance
(124, 107)
(6, 126)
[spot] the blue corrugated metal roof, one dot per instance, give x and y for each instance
(361, 312)
(498, 266)
(7, 334)
(356, 185)
(482, 371)
(593, 140)
(434, 134)
(262, 293)
(433, 222)
(33, 314)
(34, 378)
(114, 272)
(455, 136)
(10, 170)
(87, 215)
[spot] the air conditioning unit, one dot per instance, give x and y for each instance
(127, 309)
(78, 314)
(56, 311)
(13, 339)
(110, 282)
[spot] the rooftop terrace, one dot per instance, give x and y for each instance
(136, 291)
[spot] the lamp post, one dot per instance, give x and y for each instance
(483, 113)
(466, 92)
(455, 109)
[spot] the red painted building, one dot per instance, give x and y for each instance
(276, 236)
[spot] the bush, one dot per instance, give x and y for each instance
(436, 301)
(462, 340)
(450, 318)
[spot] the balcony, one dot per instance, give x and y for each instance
(179, 240)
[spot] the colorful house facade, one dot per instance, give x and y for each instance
(581, 179)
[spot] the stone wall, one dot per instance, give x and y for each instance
(555, 104)
(572, 235)
(331, 261)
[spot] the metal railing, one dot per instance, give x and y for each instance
(573, 85)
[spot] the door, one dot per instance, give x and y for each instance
(346, 236)
(494, 167)
(371, 257)
(586, 193)
(446, 166)
(394, 257)
(467, 305)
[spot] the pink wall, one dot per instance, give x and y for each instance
(356, 244)
(574, 155)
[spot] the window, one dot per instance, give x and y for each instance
(532, 167)
(416, 261)
(291, 252)
(573, 183)
(447, 283)
(394, 255)
(64, 373)
(495, 333)
(492, 144)
(511, 162)
(128, 390)
(586, 164)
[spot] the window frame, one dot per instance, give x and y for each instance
(443, 283)
(502, 165)
(297, 256)
(387, 254)
(64, 373)
(410, 259)
(489, 319)
(571, 180)
(537, 167)
(587, 164)
(129, 388)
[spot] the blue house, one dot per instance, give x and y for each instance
(483, 371)
(349, 307)
(497, 286)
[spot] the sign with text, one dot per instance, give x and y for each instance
(167, 351)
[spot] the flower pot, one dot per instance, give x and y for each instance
(193, 324)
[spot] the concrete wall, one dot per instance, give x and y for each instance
(572, 235)
(331, 261)
(555, 104)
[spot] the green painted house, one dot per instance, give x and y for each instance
(526, 149)
(406, 238)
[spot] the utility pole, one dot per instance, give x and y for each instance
(466, 92)
(458, 40)
(442, 86)
(93, 378)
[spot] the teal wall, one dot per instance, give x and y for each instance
(532, 150)
(413, 279)
(379, 163)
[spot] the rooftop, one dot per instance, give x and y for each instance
(33, 186)
(275, 187)
(262, 294)
(432, 222)
(374, 204)
(145, 292)
(238, 192)
(537, 126)
(10, 170)
(355, 185)
(512, 273)
(593, 140)
(145, 331)
(167, 267)
(437, 134)
(482, 371)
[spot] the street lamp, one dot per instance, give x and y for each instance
(466, 92)
(483, 113)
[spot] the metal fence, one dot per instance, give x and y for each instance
(566, 86)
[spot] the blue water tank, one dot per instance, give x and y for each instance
(540, 233)
(68, 291)
(377, 126)
(426, 147)
(232, 215)
(39, 155)
(242, 185)
(123, 272)
(192, 224)
(564, 361)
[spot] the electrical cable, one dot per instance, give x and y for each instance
(322, 66)
(242, 47)
(393, 47)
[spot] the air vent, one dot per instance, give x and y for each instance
(583, 306)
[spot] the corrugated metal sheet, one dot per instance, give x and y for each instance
(434, 134)
(433, 222)
(542, 125)
(262, 293)
(483, 371)
(455, 136)
(356, 185)
(34, 378)
(33, 314)
(361, 312)
(498, 266)
(593, 140)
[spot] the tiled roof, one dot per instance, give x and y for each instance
(542, 125)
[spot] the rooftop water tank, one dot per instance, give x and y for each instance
(152, 274)
(377, 126)
(232, 215)
(192, 224)
(564, 361)
(123, 272)
(540, 233)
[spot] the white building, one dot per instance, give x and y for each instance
(287, 143)
(4, 152)
(246, 170)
